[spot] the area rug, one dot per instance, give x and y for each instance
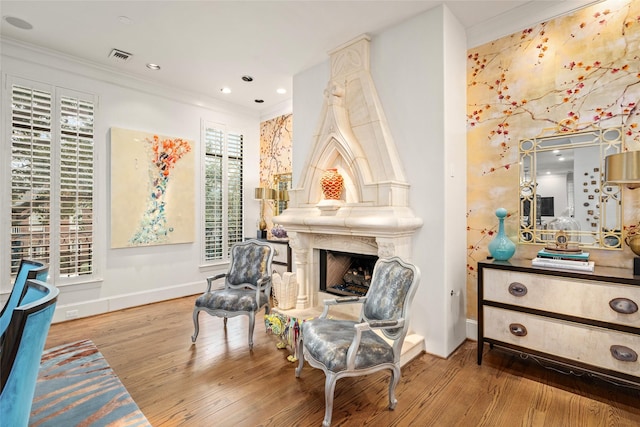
(77, 387)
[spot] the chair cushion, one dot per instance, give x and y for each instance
(328, 341)
(231, 300)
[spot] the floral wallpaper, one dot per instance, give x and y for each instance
(275, 156)
(567, 73)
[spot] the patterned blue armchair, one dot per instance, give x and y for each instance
(21, 351)
(247, 286)
(28, 270)
(345, 348)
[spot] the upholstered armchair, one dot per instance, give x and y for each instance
(247, 286)
(346, 348)
(28, 269)
(21, 350)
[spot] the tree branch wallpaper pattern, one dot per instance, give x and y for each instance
(582, 68)
(276, 138)
(152, 189)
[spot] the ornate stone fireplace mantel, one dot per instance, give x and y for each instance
(373, 216)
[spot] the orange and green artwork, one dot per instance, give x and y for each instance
(152, 189)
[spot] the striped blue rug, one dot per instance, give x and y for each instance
(77, 387)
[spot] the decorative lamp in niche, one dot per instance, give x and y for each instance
(624, 169)
(262, 194)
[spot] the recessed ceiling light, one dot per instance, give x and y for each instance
(225, 90)
(281, 91)
(153, 66)
(125, 19)
(247, 78)
(18, 23)
(258, 101)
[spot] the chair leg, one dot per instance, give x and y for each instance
(329, 388)
(252, 324)
(300, 356)
(196, 311)
(395, 378)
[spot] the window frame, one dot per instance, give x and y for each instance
(57, 95)
(227, 240)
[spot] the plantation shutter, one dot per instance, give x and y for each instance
(223, 192)
(31, 113)
(213, 221)
(235, 230)
(76, 187)
(52, 168)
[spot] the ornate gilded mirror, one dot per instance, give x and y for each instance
(282, 183)
(562, 187)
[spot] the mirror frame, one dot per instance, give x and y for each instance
(607, 197)
(282, 184)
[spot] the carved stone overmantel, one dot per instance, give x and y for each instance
(373, 216)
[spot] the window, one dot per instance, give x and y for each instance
(52, 168)
(223, 190)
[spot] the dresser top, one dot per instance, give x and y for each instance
(610, 274)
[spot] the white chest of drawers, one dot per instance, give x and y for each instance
(585, 322)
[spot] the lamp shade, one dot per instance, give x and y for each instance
(263, 193)
(622, 168)
(283, 195)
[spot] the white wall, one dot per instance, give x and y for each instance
(419, 69)
(131, 276)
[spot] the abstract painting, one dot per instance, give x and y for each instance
(152, 189)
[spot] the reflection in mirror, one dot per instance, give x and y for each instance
(562, 188)
(282, 183)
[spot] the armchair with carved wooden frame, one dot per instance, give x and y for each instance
(345, 348)
(247, 286)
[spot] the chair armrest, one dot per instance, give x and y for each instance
(340, 301)
(211, 279)
(367, 326)
(264, 285)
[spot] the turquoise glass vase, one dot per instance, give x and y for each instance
(501, 247)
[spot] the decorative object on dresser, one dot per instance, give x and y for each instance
(633, 241)
(501, 247)
(563, 256)
(574, 322)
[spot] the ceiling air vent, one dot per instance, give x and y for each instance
(120, 55)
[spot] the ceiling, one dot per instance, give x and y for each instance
(203, 46)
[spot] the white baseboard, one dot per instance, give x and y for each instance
(119, 302)
(472, 329)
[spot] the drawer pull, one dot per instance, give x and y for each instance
(517, 329)
(517, 289)
(623, 305)
(623, 354)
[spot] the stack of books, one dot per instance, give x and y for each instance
(564, 260)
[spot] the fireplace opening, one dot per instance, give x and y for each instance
(345, 274)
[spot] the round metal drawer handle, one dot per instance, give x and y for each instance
(517, 289)
(518, 329)
(623, 305)
(623, 354)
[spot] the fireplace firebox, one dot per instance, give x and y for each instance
(345, 274)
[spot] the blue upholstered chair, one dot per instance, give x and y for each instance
(247, 286)
(346, 348)
(21, 351)
(28, 269)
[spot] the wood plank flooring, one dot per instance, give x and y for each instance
(219, 382)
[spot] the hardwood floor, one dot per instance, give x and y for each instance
(219, 382)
